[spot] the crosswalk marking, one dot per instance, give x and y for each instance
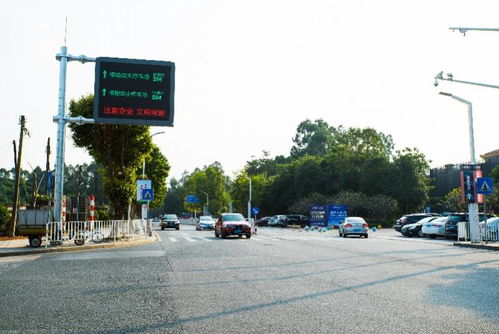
(172, 239)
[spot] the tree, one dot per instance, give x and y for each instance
(212, 181)
(157, 169)
(313, 138)
(452, 201)
(410, 185)
(239, 191)
(4, 217)
(120, 150)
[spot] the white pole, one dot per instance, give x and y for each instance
(249, 200)
(61, 132)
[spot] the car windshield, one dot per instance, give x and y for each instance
(170, 217)
(233, 217)
(440, 220)
(206, 219)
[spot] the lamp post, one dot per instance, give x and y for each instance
(472, 207)
(205, 211)
(144, 160)
(470, 123)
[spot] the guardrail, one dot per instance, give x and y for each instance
(79, 232)
(488, 232)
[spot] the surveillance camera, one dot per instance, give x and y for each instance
(436, 83)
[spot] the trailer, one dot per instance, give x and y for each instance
(32, 224)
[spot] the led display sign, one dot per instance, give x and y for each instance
(134, 91)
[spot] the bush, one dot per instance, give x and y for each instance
(4, 218)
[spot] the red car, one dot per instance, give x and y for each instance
(232, 224)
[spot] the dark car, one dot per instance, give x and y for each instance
(232, 224)
(411, 218)
(455, 218)
(296, 220)
(415, 229)
(263, 221)
(170, 221)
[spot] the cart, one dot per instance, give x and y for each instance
(32, 224)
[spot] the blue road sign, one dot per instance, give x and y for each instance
(192, 199)
(255, 210)
(469, 187)
(147, 194)
(49, 181)
(485, 185)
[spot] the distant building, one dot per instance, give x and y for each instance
(444, 179)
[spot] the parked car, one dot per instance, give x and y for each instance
(205, 223)
(277, 220)
(296, 220)
(415, 229)
(435, 228)
(170, 221)
(263, 221)
(411, 219)
(232, 224)
(353, 226)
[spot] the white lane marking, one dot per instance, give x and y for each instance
(205, 239)
(172, 239)
(190, 239)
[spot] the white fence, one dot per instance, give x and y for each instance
(79, 232)
(488, 232)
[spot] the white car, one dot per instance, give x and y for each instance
(205, 223)
(435, 228)
(354, 226)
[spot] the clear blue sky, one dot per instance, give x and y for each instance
(248, 72)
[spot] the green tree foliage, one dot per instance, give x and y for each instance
(6, 186)
(211, 180)
(239, 192)
(410, 185)
(452, 201)
(119, 149)
(313, 138)
(4, 217)
(174, 200)
(157, 169)
(493, 200)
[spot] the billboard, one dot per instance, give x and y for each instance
(134, 91)
(325, 215)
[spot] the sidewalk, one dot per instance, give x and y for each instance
(21, 246)
(488, 246)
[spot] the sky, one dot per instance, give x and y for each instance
(248, 72)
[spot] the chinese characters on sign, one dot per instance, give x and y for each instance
(131, 91)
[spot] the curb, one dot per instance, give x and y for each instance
(493, 248)
(128, 243)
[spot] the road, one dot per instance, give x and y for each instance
(279, 281)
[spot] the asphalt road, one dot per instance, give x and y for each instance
(279, 281)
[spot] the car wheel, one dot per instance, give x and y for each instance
(177, 228)
(35, 241)
(240, 236)
(162, 228)
(420, 233)
(223, 235)
(216, 234)
(344, 235)
(248, 235)
(366, 236)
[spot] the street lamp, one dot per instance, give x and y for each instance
(470, 123)
(144, 160)
(207, 203)
(450, 77)
(472, 207)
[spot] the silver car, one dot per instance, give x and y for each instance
(354, 226)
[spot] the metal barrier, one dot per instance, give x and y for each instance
(79, 232)
(463, 231)
(488, 232)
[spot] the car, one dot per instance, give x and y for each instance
(170, 221)
(232, 224)
(435, 228)
(296, 220)
(411, 219)
(205, 223)
(415, 229)
(354, 226)
(277, 220)
(263, 221)
(455, 218)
